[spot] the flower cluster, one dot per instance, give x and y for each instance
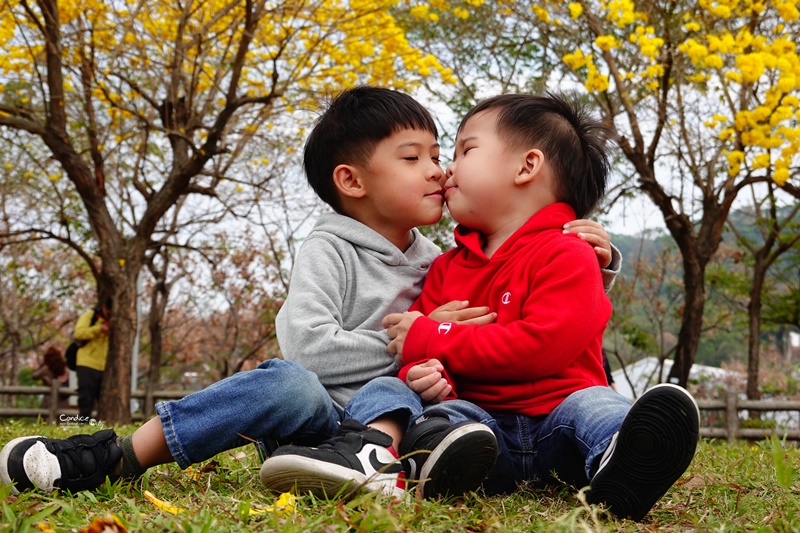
(745, 51)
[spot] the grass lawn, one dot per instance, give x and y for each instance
(746, 487)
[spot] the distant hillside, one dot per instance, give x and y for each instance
(632, 247)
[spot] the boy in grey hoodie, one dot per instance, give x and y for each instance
(358, 265)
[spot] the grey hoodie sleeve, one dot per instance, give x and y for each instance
(611, 272)
(310, 325)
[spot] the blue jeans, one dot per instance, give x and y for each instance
(568, 441)
(279, 402)
(381, 396)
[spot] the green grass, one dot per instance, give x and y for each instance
(746, 487)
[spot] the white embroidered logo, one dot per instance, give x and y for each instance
(506, 298)
(444, 328)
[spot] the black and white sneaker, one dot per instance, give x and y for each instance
(80, 462)
(447, 460)
(652, 449)
(356, 460)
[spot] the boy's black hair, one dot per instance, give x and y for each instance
(573, 142)
(350, 129)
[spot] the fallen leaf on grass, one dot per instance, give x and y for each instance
(106, 524)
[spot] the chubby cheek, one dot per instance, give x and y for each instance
(459, 209)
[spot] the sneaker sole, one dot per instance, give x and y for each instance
(655, 445)
(460, 463)
(40, 460)
(292, 473)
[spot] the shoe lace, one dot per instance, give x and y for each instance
(82, 458)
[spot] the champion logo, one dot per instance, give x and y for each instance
(444, 328)
(506, 298)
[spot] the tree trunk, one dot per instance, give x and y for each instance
(158, 303)
(754, 330)
(692, 319)
(114, 406)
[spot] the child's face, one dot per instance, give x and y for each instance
(403, 180)
(480, 180)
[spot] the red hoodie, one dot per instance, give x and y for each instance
(551, 313)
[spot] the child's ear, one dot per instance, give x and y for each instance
(347, 181)
(531, 167)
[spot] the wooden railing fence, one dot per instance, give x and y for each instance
(730, 408)
(55, 412)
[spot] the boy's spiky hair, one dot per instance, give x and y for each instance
(351, 127)
(572, 141)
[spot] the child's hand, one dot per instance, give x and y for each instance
(397, 326)
(457, 312)
(593, 233)
(426, 380)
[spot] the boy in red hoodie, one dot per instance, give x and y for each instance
(523, 167)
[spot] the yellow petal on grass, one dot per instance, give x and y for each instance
(192, 473)
(284, 505)
(161, 504)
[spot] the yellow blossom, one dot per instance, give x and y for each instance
(606, 42)
(726, 134)
(541, 13)
(760, 161)
(787, 82)
(713, 61)
(781, 176)
(596, 82)
(751, 66)
(654, 71)
(787, 10)
(695, 50)
(575, 10)
(735, 157)
(419, 11)
(698, 78)
(461, 13)
(577, 60)
(733, 76)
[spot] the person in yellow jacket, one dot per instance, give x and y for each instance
(91, 329)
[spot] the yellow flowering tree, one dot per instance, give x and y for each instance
(702, 94)
(130, 107)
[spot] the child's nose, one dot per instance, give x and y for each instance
(438, 173)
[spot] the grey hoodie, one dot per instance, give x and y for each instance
(346, 278)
